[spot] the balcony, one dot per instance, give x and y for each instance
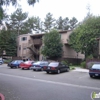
(37, 41)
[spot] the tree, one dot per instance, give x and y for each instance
(73, 23)
(17, 20)
(49, 22)
(33, 24)
(8, 43)
(14, 3)
(52, 45)
(66, 24)
(83, 38)
(59, 23)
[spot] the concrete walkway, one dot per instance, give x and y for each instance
(81, 69)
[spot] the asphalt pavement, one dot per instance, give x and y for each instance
(17, 84)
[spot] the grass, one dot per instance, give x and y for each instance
(73, 67)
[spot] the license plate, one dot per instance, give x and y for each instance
(96, 74)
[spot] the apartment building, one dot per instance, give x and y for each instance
(29, 46)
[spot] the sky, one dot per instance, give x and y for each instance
(64, 8)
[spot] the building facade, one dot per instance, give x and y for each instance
(29, 46)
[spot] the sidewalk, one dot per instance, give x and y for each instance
(81, 69)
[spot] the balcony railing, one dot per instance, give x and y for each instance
(37, 41)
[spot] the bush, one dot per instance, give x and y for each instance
(64, 62)
(83, 64)
(70, 64)
(90, 57)
(7, 61)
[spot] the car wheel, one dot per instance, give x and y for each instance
(68, 69)
(47, 72)
(17, 66)
(28, 68)
(91, 76)
(34, 70)
(11, 67)
(22, 68)
(58, 71)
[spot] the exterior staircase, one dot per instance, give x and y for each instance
(33, 49)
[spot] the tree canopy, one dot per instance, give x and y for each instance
(8, 43)
(14, 3)
(84, 37)
(52, 45)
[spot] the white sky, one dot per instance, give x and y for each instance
(64, 8)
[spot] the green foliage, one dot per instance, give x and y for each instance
(72, 68)
(65, 24)
(17, 20)
(14, 3)
(83, 64)
(73, 23)
(8, 43)
(7, 61)
(52, 45)
(83, 38)
(49, 22)
(64, 62)
(90, 57)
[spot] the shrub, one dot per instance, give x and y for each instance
(90, 57)
(70, 64)
(83, 64)
(64, 62)
(7, 61)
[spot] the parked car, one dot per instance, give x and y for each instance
(39, 65)
(56, 67)
(94, 71)
(26, 64)
(15, 63)
(1, 62)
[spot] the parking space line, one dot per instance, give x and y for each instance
(52, 82)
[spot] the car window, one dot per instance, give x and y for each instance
(46, 63)
(96, 66)
(37, 63)
(54, 64)
(27, 62)
(15, 61)
(63, 65)
(20, 61)
(42, 63)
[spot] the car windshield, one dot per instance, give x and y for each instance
(54, 64)
(28, 62)
(97, 66)
(15, 61)
(37, 63)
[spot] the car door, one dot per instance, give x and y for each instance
(64, 67)
(60, 67)
(42, 64)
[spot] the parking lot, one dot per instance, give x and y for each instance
(72, 79)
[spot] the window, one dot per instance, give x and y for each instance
(19, 47)
(24, 48)
(24, 38)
